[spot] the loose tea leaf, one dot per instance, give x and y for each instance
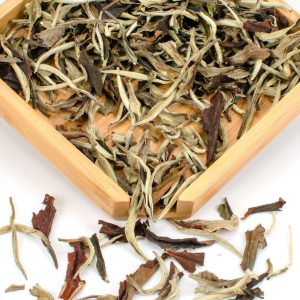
(188, 260)
(170, 290)
(209, 283)
(129, 229)
(14, 239)
(41, 294)
(73, 284)
(210, 225)
(94, 75)
(205, 233)
(15, 288)
(225, 210)
(79, 245)
(211, 124)
(276, 206)
(255, 239)
(231, 291)
(159, 285)
(100, 260)
(264, 26)
(112, 230)
(44, 219)
(140, 276)
(167, 243)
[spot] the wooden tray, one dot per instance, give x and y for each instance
(39, 131)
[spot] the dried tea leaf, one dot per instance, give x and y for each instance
(28, 230)
(211, 124)
(73, 284)
(249, 52)
(167, 243)
(44, 219)
(210, 225)
(79, 245)
(112, 230)
(159, 285)
(225, 210)
(15, 288)
(40, 293)
(94, 75)
(286, 45)
(188, 260)
(255, 239)
(50, 36)
(276, 206)
(264, 26)
(129, 229)
(209, 283)
(211, 235)
(100, 260)
(170, 290)
(140, 276)
(226, 292)
(15, 239)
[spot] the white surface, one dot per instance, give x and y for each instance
(27, 176)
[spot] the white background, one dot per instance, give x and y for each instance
(26, 176)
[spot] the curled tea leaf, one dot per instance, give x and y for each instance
(15, 288)
(44, 219)
(170, 290)
(211, 124)
(14, 239)
(167, 243)
(100, 260)
(73, 284)
(225, 210)
(140, 277)
(276, 206)
(78, 245)
(159, 285)
(40, 293)
(255, 239)
(188, 260)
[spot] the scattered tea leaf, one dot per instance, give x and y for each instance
(44, 219)
(170, 290)
(210, 225)
(73, 284)
(225, 210)
(140, 277)
(188, 260)
(167, 243)
(14, 238)
(79, 245)
(159, 285)
(15, 288)
(209, 283)
(211, 235)
(40, 293)
(276, 206)
(255, 239)
(100, 260)
(112, 230)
